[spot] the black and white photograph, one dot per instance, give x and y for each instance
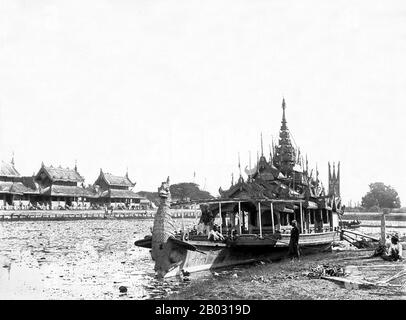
(224, 151)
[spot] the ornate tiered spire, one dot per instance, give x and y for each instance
(284, 126)
(285, 154)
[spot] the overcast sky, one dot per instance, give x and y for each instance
(176, 87)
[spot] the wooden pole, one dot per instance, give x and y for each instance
(301, 218)
(314, 220)
(183, 224)
(239, 217)
(328, 217)
(221, 219)
(273, 224)
(383, 229)
(321, 220)
(307, 218)
(259, 219)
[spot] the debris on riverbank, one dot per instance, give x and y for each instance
(291, 281)
(326, 270)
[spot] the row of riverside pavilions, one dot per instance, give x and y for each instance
(63, 188)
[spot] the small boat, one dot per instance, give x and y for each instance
(354, 224)
(254, 216)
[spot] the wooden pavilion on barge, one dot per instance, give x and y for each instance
(276, 192)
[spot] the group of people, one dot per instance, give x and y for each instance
(393, 248)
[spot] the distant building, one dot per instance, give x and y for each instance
(116, 191)
(11, 187)
(12, 190)
(61, 187)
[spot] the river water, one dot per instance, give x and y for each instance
(86, 259)
(82, 259)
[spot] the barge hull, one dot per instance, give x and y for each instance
(216, 255)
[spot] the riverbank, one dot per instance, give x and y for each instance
(60, 215)
(284, 280)
(376, 216)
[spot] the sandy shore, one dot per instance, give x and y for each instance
(284, 280)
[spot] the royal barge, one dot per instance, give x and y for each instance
(254, 215)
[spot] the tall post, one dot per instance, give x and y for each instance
(239, 217)
(321, 220)
(328, 216)
(259, 219)
(221, 218)
(307, 220)
(273, 224)
(183, 223)
(383, 228)
(314, 220)
(301, 217)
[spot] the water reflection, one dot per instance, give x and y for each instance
(88, 259)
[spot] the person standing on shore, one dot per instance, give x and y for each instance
(294, 242)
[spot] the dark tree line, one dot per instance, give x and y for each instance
(380, 196)
(184, 191)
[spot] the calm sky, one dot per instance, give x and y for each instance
(177, 87)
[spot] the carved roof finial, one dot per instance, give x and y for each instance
(283, 115)
(257, 162)
(262, 147)
(239, 163)
(307, 164)
(12, 159)
(338, 171)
